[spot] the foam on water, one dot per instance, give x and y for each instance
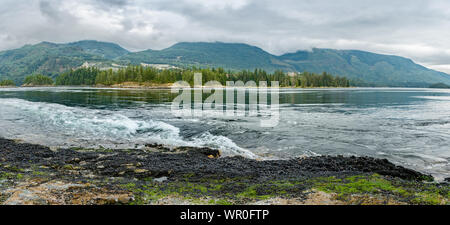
(409, 127)
(103, 126)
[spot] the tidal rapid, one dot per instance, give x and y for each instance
(410, 127)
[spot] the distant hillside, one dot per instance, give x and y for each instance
(46, 58)
(103, 49)
(375, 69)
(439, 85)
(365, 67)
(226, 55)
(369, 68)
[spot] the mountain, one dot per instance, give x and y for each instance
(440, 85)
(226, 55)
(364, 67)
(46, 58)
(104, 49)
(368, 68)
(374, 69)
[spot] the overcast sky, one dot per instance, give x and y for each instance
(412, 28)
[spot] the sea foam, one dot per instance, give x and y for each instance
(73, 125)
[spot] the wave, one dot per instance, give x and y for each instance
(104, 126)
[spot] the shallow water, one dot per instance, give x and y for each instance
(410, 127)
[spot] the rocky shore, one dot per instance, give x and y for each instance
(33, 174)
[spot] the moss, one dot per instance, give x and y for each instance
(7, 176)
(283, 184)
(39, 173)
(68, 167)
(248, 193)
(14, 169)
(429, 198)
(252, 193)
(147, 179)
(191, 187)
(226, 191)
(427, 178)
(188, 175)
(146, 194)
(407, 191)
(216, 187)
(220, 202)
(356, 185)
(19, 176)
(129, 186)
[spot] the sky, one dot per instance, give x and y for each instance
(417, 29)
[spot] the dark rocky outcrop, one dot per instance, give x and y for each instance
(200, 161)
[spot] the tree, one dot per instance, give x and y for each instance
(142, 74)
(7, 83)
(38, 79)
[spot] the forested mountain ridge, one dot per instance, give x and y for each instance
(370, 68)
(45, 58)
(104, 49)
(375, 69)
(226, 55)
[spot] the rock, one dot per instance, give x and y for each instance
(59, 186)
(161, 179)
(154, 145)
(129, 166)
(211, 153)
(30, 194)
(447, 179)
(62, 193)
(76, 160)
(125, 199)
(140, 171)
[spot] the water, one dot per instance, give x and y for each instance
(410, 127)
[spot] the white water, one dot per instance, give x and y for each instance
(43, 123)
(409, 127)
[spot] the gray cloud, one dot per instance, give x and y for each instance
(47, 9)
(418, 29)
(113, 3)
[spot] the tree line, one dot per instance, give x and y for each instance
(7, 83)
(149, 75)
(38, 79)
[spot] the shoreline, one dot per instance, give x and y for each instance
(205, 87)
(34, 174)
(165, 87)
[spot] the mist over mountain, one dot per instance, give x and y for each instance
(366, 67)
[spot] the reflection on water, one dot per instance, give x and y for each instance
(407, 126)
